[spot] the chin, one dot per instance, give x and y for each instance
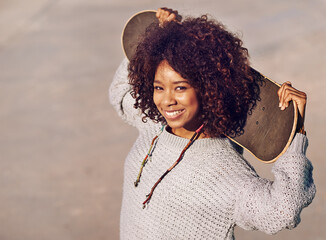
(175, 125)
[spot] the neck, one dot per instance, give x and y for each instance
(184, 133)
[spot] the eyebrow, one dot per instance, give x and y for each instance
(176, 82)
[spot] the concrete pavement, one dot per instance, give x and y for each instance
(62, 145)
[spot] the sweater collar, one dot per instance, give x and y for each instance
(175, 142)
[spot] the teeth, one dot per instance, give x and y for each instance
(171, 114)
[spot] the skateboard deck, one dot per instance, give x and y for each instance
(268, 131)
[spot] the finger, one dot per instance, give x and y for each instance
(300, 102)
(292, 95)
(164, 14)
(291, 92)
(161, 16)
(282, 91)
(281, 94)
(300, 98)
(158, 13)
(288, 83)
(171, 17)
(165, 10)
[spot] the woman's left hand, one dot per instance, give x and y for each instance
(167, 15)
(286, 93)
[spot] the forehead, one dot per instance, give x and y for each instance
(165, 73)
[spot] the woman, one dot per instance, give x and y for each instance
(189, 86)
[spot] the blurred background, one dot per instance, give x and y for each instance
(62, 146)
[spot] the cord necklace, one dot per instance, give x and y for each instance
(149, 154)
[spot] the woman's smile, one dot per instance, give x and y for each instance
(173, 114)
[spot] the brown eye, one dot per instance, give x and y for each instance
(180, 88)
(157, 88)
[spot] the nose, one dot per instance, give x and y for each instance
(169, 99)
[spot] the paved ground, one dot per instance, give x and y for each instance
(62, 146)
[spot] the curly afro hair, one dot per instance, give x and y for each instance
(212, 59)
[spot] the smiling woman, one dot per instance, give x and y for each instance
(214, 62)
(192, 84)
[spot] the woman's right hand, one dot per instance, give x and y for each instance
(167, 15)
(288, 93)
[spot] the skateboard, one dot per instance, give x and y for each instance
(268, 131)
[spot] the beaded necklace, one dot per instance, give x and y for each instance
(149, 154)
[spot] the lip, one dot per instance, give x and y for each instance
(173, 114)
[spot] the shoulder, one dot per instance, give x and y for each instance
(222, 157)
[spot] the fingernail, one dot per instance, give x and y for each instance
(279, 105)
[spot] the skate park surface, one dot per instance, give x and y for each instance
(62, 144)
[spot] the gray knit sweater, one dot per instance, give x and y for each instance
(211, 190)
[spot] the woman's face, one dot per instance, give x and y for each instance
(176, 100)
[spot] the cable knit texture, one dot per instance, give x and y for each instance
(212, 189)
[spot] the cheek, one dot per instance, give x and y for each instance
(195, 104)
(156, 99)
(192, 100)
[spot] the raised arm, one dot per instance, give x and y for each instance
(120, 89)
(120, 97)
(271, 206)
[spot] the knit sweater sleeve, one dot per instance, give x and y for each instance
(121, 99)
(271, 206)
